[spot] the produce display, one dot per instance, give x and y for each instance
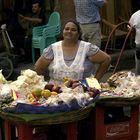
(30, 93)
(122, 84)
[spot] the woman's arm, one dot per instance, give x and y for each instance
(41, 65)
(103, 59)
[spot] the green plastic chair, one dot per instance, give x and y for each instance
(43, 36)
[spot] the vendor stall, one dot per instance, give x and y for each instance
(30, 102)
(25, 123)
(105, 103)
(117, 111)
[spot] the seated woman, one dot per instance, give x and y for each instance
(72, 57)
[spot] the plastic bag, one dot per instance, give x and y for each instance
(2, 78)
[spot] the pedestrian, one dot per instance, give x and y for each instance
(88, 15)
(72, 57)
(135, 22)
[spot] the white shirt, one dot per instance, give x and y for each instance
(58, 68)
(135, 22)
(76, 66)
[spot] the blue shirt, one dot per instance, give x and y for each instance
(88, 11)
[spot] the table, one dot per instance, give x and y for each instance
(125, 129)
(25, 123)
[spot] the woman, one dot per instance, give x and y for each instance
(72, 57)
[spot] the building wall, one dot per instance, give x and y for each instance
(66, 9)
(111, 12)
(116, 9)
(0, 9)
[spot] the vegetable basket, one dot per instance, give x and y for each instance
(53, 118)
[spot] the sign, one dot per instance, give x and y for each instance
(117, 129)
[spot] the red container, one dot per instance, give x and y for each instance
(126, 129)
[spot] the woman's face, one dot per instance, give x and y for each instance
(70, 31)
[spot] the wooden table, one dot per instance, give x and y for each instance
(25, 123)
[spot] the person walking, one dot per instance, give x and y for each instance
(88, 15)
(135, 22)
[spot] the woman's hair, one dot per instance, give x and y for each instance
(78, 27)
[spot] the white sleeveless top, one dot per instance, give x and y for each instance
(58, 69)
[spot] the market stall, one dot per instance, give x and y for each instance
(30, 102)
(124, 96)
(41, 105)
(25, 123)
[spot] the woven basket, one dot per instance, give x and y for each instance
(48, 119)
(65, 117)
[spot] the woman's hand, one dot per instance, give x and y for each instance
(41, 65)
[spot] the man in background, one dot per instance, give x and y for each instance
(36, 18)
(88, 15)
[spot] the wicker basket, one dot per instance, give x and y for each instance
(65, 117)
(48, 119)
